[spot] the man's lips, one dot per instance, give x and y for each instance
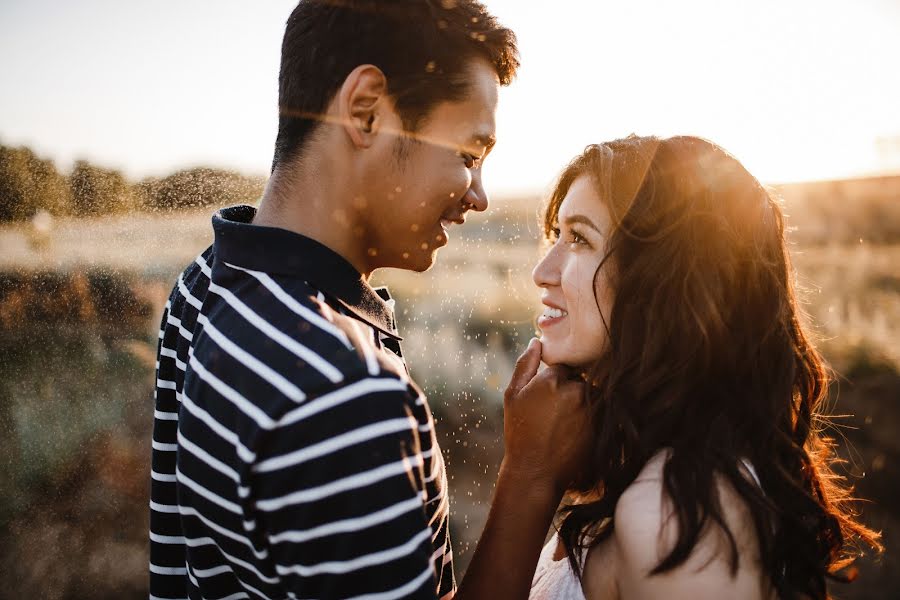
(446, 221)
(445, 226)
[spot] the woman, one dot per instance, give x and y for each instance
(668, 286)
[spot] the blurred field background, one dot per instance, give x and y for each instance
(81, 296)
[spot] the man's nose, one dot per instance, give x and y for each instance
(475, 196)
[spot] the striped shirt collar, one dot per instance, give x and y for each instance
(279, 251)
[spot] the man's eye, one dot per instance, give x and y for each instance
(470, 161)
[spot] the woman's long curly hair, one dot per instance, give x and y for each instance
(707, 357)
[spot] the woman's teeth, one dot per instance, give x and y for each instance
(553, 313)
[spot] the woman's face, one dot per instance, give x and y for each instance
(576, 304)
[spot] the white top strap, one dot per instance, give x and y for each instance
(749, 466)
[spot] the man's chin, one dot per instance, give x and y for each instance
(421, 261)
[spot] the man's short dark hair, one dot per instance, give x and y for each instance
(424, 48)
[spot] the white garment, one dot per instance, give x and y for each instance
(554, 579)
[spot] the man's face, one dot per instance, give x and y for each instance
(424, 185)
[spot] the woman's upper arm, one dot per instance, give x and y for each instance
(645, 532)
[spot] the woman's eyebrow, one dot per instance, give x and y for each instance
(583, 220)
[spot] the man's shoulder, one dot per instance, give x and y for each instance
(191, 285)
(285, 329)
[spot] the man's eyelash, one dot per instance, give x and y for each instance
(470, 161)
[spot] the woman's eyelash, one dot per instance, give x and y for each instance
(576, 238)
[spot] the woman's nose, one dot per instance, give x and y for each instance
(546, 272)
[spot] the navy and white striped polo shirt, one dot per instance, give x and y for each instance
(292, 455)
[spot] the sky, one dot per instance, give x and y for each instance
(796, 89)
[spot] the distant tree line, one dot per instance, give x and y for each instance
(29, 184)
(864, 209)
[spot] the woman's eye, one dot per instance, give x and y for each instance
(571, 237)
(469, 160)
(574, 238)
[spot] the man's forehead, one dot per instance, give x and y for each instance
(471, 121)
(466, 123)
(478, 109)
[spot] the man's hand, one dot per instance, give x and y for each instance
(547, 430)
(546, 423)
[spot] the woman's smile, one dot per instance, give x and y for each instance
(551, 316)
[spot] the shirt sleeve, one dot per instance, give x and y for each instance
(337, 491)
(167, 547)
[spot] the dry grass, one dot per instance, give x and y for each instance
(140, 243)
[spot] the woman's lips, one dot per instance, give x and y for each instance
(551, 316)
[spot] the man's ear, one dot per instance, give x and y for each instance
(361, 102)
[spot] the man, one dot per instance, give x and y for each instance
(292, 455)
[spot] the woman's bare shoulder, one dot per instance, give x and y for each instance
(637, 511)
(646, 529)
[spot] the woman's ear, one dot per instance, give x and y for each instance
(361, 102)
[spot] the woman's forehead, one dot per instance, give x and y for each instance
(583, 199)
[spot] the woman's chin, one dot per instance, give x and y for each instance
(552, 355)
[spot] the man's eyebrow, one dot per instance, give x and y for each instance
(484, 139)
(583, 220)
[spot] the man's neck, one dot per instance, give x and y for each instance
(311, 207)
